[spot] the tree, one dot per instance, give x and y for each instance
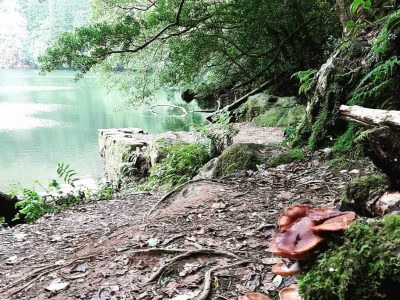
(208, 46)
(13, 32)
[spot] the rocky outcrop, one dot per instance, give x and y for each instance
(129, 153)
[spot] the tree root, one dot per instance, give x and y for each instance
(186, 254)
(205, 294)
(36, 275)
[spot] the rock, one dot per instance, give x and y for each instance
(206, 172)
(129, 153)
(8, 209)
(384, 204)
(238, 158)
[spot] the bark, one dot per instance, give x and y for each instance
(342, 8)
(382, 145)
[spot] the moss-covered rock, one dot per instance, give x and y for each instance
(280, 117)
(365, 266)
(358, 191)
(256, 105)
(238, 158)
(285, 157)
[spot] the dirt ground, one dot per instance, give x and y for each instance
(207, 241)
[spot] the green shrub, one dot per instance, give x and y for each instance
(365, 266)
(285, 157)
(180, 165)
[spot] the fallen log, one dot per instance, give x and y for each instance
(382, 142)
(371, 117)
(235, 105)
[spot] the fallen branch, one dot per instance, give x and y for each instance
(188, 254)
(230, 108)
(205, 294)
(184, 111)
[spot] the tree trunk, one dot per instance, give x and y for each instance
(7, 208)
(382, 145)
(342, 8)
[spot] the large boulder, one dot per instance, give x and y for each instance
(238, 158)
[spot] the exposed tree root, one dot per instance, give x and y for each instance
(205, 294)
(36, 275)
(185, 255)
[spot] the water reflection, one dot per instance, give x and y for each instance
(46, 120)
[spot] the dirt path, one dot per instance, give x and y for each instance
(112, 250)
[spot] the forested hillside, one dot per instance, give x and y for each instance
(28, 26)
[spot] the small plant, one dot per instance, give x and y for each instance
(65, 172)
(307, 79)
(181, 164)
(32, 206)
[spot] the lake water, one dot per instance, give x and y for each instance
(49, 119)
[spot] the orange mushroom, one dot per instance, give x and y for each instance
(254, 296)
(283, 269)
(291, 215)
(290, 293)
(338, 223)
(300, 227)
(297, 241)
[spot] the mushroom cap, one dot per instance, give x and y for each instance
(283, 270)
(254, 296)
(291, 215)
(339, 223)
(297, 241)
(290, 293)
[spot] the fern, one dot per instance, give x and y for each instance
(307, 80)
(375, 82)
(67, 174)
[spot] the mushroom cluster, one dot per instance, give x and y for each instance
(300, 230)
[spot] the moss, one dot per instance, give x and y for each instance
(357, 192)
(280, 117)
(237, 158)
(256, 105)
(346, 143)
(270, 118)
(285, 157)
(365, 266)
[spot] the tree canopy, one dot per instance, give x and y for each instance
(207, 46)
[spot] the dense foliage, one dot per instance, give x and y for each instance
(28, 26)
(207, 46)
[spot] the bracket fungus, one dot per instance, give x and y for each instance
(254, 296)
(284, 270)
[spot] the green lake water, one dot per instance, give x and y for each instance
(49, 119)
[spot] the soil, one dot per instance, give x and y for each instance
(117, 250)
